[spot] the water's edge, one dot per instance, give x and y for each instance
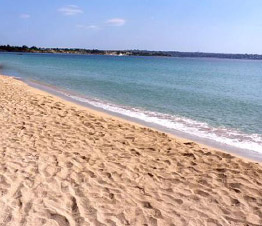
(251, 155)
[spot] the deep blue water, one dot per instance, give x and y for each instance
(217, 99)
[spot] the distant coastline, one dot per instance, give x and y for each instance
(34, 49)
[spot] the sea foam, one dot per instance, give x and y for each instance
(222, 135)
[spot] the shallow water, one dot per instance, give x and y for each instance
(213, 99)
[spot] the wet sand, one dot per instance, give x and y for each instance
(63, 164)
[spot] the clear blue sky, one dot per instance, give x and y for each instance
(230, 26)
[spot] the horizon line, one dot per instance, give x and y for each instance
(177, 51)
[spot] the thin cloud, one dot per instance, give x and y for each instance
(116, 22)
(70, 10)
(86, 26)
(25, 16)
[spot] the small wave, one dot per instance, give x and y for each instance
(235, 138)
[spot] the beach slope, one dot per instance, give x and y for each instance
(62, 164)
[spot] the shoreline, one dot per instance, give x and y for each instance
(65, 164)
(204, 142)
(135, 53)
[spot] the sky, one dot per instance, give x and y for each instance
(221, 26)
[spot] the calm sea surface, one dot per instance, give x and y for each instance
(213, 99)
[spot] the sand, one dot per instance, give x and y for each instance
(62, 164)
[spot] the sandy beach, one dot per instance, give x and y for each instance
(63, 164)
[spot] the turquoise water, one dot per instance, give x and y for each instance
(214, 99)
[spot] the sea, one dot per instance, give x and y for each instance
(217, 102)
